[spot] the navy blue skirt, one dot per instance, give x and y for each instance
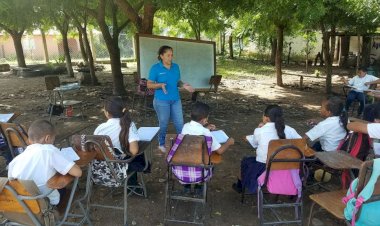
(250, 171)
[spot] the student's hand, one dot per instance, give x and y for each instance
(163, 87)
(367, 83)
(230, 141)
(211, 127)
(188, 87)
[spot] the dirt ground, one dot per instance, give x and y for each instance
(241, 103)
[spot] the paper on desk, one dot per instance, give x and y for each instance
(251, 140)
(220, 136)
(6, 117)
(70, 154)
(147, 133)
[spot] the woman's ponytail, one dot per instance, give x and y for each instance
(125, 123)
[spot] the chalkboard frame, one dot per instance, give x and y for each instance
(160, 38)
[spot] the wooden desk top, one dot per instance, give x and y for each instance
(338, 160)
(59, 181)
(215, 157)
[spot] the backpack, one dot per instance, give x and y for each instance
(369, 212)
(358, 146)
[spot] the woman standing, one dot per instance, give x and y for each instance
(165, 78)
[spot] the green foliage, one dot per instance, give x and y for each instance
(243, 67)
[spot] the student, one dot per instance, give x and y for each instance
(360, 83)
(272, 128)
(41, 160)
(372, 129)
(199, 126)
(123, 134)
(332, 130)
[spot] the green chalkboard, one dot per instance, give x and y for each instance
(196, 59)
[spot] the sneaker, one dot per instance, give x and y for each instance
(162, 148)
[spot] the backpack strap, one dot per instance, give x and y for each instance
(174, 148)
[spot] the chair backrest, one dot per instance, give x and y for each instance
(214, 82)
(15, 135)
(89, 147)
(191, 151)
(287, 153)
(28, 212)
(52, 82)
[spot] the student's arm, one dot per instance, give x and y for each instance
(377, 81)
(75, 171)
(358, 127)
(134, 147)
(225, 146)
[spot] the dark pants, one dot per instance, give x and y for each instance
(317, 146)
(137, 165)
(352, 96)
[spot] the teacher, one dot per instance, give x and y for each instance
(165, 78)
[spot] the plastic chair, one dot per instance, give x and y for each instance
(287, 160)
(99, 147)
(192, 155)
(21, 203)
(332, 201)
(56, 97)
(15, 136)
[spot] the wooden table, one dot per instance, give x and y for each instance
(67, 129)
(339, 160)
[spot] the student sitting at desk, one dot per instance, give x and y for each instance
(123, 134)
(271, 128)
(42, 160)
(199, 126)
(332, 130)
(359, 83)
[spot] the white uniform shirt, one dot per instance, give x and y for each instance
(112, 129)
(263, 135)
(374, 133)
(358, 82)
(195, 128)
(40, 162)
(329, 132)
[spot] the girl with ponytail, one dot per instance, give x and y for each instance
(331, 131)
(123, 134)
(272, 127)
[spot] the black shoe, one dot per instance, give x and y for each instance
(237, 188)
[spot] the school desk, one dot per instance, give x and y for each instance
(338, 160)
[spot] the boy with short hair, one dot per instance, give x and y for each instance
(199, 126)
(41, 160)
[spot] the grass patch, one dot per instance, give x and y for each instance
(243, 67)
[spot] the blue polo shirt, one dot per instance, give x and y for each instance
(160, 74)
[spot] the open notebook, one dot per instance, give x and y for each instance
(220, 136)
(69, 154)
(251, 140)
(6, 117)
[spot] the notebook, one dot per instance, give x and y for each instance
(251, 140)
(220, 136)
(70, 154)
(6, 117)
(147, 133)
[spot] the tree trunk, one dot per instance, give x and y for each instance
(81, 45)
(344, 50)
(114, 51)
(222, 43)
(326, 52)
(231, 47)
(366, 51)
(358, 55)
(337, 52)
(17, 36)
(273, 44)
(45, 45)
(147, 20)
(66, 51)
(333, 41)
(280, 40)
(92, 44)
(91, 64)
